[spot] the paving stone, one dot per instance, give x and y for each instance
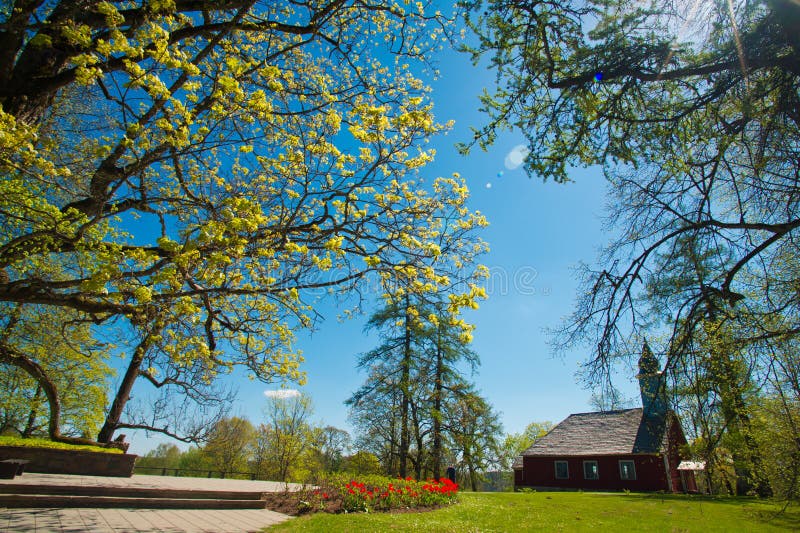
(93, 520)
(142, 520)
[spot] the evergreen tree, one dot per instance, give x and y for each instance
(419, 364)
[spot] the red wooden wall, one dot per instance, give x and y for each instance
(651, 470)
(541, 472)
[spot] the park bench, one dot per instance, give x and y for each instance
(12, 467)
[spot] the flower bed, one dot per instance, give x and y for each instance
(385, 495)
(342, 494)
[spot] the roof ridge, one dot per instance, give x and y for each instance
(613, 411)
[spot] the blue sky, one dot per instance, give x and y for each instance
(538, 233)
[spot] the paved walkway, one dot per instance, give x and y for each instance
(136, 520)
(152, 482)
(142, 520)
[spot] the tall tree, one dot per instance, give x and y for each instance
(393, 367)
(332, 445)
(448, 353)
(374, 410)
(419, 325)
(415, 375)
(230, 445)
(475, 428)
(189, 170)
(286, 439)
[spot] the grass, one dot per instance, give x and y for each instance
(568, 511)
(44, 443)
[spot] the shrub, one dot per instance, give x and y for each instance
(44, 443)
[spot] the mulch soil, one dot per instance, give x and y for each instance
(297, 503)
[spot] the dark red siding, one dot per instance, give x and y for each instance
(541, 472)
(654, 472)
(676, 439)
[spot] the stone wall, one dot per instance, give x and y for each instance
(50, 461)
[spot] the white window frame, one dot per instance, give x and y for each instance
(633, 469)
(555, 465)
(597, 470)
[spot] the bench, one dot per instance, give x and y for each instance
(12, 467)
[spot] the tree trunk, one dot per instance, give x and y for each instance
(124, 390)
(389, 467)
(437, 411)
(29, 425)
(471, 471)
(418, 438)
(405, 385)
(32, 80)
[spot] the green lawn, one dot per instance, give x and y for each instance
(568, 511)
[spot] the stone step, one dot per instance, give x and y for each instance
(63, 501)
(128, 492)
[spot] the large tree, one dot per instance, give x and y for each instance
(693, 112)
(423, 338)
(190, 170)
(285, 441)
(393, 382)
(475, 427)
(694, 116)
(230, 444)
(404, 409)
(331, 446)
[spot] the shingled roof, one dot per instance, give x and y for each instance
(602, 433)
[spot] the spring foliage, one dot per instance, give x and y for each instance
(200, 169)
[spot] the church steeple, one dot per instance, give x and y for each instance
(651, 384)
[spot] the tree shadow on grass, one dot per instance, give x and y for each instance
(774, 513)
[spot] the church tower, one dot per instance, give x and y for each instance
(651, 385)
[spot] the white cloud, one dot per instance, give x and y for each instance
(282, 393)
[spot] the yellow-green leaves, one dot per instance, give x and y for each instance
(143, 294)
(206, 170)
(113, 16)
